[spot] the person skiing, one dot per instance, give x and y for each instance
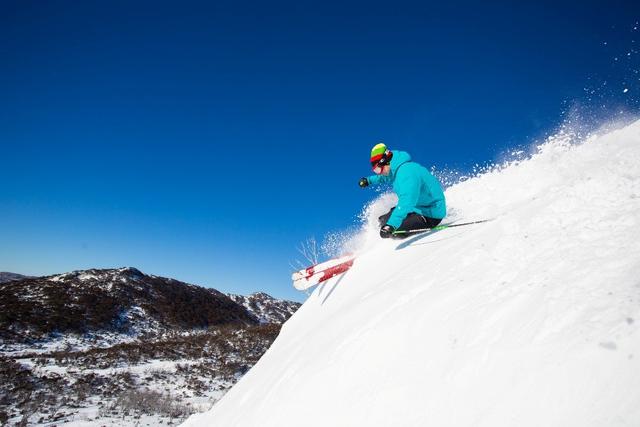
(421, 202)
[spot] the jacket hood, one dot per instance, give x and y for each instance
(399, 159)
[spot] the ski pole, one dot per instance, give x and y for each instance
(440, 227)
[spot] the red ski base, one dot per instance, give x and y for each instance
(322, 272)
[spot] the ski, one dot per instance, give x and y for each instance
(318, 273)
(437, 227)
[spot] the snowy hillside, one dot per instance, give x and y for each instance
(529, 320)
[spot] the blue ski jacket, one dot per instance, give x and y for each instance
(417, 189)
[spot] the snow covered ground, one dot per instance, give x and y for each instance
(529, 320)
(159, 383)
(150, 381)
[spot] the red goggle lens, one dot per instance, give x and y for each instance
(380, 161)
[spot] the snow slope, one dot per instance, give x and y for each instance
(528, 320)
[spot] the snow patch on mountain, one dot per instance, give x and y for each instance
(265, 308)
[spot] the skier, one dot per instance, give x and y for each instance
(421, 202)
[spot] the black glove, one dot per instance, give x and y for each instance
(386, 231)
(364, 182)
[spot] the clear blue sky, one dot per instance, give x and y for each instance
(204, 140)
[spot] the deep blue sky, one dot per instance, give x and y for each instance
(204, 140)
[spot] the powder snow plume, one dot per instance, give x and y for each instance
(532, 319)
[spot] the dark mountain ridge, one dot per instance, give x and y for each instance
(121, 300)
(5, 276)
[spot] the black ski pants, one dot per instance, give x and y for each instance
(413, 221)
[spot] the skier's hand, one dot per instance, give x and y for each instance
(364, 182)
(386, 231)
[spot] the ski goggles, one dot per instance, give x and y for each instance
(377, 168)
(379, 162)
